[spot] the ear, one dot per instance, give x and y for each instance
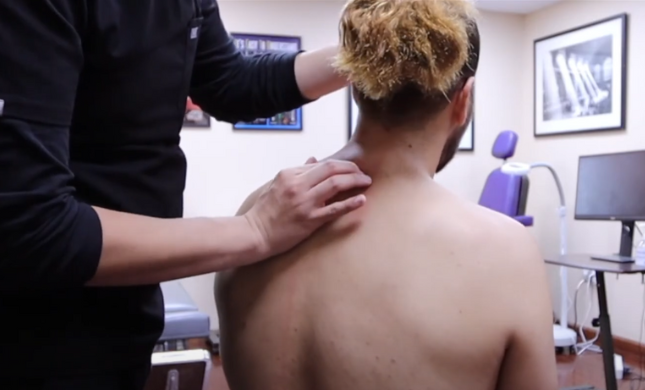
(462, 103)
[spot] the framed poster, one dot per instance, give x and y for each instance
(194, 117)
(580, 78)
(251, 44)
(467, 142)
(353, 113)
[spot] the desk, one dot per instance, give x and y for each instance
(582, 261)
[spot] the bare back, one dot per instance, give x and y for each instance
(417, 290)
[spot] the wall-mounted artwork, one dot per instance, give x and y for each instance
(467, 142)
(251, 44)
(194, 117)
(580, 78)
(353, 113)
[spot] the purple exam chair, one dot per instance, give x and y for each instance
(506, 193)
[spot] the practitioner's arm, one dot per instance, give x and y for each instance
(50, 239)
(530, 363)
(232, 87)
(284, 214)
(315, 74)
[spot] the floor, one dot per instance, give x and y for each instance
(586, 369)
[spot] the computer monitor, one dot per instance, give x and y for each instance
(611, 187)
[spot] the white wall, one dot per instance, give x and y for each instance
(225, 166)
(625, 295)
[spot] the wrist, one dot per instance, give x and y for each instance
(254, 243)
(316, 75)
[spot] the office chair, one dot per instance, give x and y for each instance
(506, 193)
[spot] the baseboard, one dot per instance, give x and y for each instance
(628, 349)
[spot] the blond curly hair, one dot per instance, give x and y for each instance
(390, 44)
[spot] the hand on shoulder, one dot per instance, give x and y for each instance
(293, 205)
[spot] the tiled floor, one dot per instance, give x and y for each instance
(586, 369)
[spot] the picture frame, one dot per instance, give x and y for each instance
(194, 117)
(251, 44)
(352, 114)
(580, 79)
(467, 142)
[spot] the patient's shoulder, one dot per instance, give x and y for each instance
(497, 223)
(250, 200)
(503, 239)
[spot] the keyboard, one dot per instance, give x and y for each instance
(614, 258)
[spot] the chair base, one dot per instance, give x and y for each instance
(185, 370)
(564, 337)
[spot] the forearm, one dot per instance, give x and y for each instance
(234, 88)
(315, 75)
(141, 250)
(251, 87)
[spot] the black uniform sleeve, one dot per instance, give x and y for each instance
(234, 88)
(47, 238)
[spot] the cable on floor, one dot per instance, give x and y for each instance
(640, 379)
(585, 345)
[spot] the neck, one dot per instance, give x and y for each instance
(402, 152)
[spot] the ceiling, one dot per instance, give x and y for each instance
(509, 6)
(514, 6)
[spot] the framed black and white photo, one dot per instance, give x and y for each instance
(580, 78)
(467, 142)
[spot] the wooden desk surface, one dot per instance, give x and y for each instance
(584, 261)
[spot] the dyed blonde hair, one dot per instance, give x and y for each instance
(390, 44)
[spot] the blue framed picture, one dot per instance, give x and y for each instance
(252, 44)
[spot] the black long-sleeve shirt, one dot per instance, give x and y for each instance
(92, 99)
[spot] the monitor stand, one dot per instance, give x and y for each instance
(626, 245)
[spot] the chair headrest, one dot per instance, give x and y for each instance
(505, 143)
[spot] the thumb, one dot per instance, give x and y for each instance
(311, 160)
